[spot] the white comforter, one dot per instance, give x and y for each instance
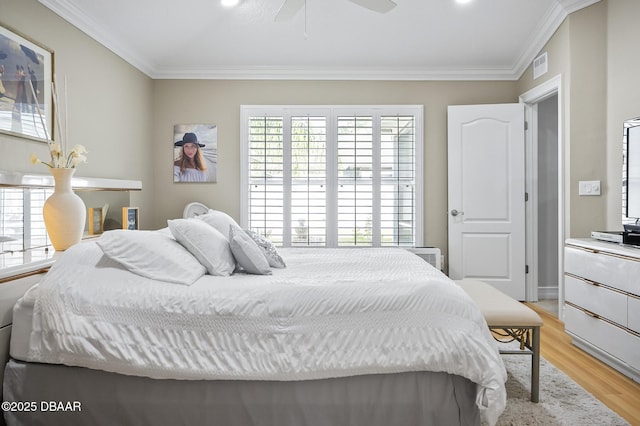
(330, 313)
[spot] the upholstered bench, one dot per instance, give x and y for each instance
(510, 320)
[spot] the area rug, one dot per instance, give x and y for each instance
(562, 401)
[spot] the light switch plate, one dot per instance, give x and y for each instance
(589, 187)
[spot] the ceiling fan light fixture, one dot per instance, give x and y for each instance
(289, 8)
(229, 3)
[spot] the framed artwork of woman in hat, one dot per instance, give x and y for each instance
(192, 161)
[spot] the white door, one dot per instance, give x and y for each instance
(487, 195)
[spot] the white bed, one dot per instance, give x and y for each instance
(332, 316)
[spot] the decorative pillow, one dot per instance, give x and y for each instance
(247, 252)
(209, 246)
(219, 220)
(152, 255)
(269, 250)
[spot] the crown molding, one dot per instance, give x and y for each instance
(571, 6)
(70, 13)
(556, 15)
(333, 73)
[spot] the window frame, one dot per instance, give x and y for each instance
(332, 112)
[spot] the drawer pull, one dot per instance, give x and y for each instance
(591, 314)
(593, 283)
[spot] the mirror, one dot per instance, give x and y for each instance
(631, 171)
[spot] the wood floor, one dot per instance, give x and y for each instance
(618, 392)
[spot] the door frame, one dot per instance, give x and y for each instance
(531, 99)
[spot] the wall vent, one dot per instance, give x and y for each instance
(540, 65)
(429, 254)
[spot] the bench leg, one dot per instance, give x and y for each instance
(535, 364)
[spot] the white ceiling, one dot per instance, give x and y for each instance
(334, 39)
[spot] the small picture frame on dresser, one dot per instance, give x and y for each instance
(130, 218)
(95, 221)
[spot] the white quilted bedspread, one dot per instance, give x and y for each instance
(330, 313)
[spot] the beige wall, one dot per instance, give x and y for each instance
(578, 53)
(109, 103)
(588, 109)
(623, 92)
(218, 102)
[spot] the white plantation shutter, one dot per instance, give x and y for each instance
(12, 221)
(355, 181)
(333, 176)
(266, 184)
(21, 220)
(37, 233)
(308, 181)
(398, 179)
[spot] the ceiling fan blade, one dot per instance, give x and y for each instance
(382, 6)
(288, 9)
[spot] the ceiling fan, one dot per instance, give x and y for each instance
(290, 7)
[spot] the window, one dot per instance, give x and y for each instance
(22, 225)
(333, 176)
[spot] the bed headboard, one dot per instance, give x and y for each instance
(194, 209)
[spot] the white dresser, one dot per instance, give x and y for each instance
(602, 301)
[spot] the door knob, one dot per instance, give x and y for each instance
(455, 212)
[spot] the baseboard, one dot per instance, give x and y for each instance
(547, 292)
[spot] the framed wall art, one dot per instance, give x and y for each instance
(26, 72)
(130, 218)
(195, 152)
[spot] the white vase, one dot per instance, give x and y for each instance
(64, 212)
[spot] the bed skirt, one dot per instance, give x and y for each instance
(45, 394)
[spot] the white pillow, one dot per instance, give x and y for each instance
(219, 220)
(151, 254)
(165, 231)
(247, 252)
(269, 250)
(209, 246)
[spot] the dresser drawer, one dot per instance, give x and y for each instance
(607, 337)
(633, 314)
(606, 269)
(599, 300)
(631, 348)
